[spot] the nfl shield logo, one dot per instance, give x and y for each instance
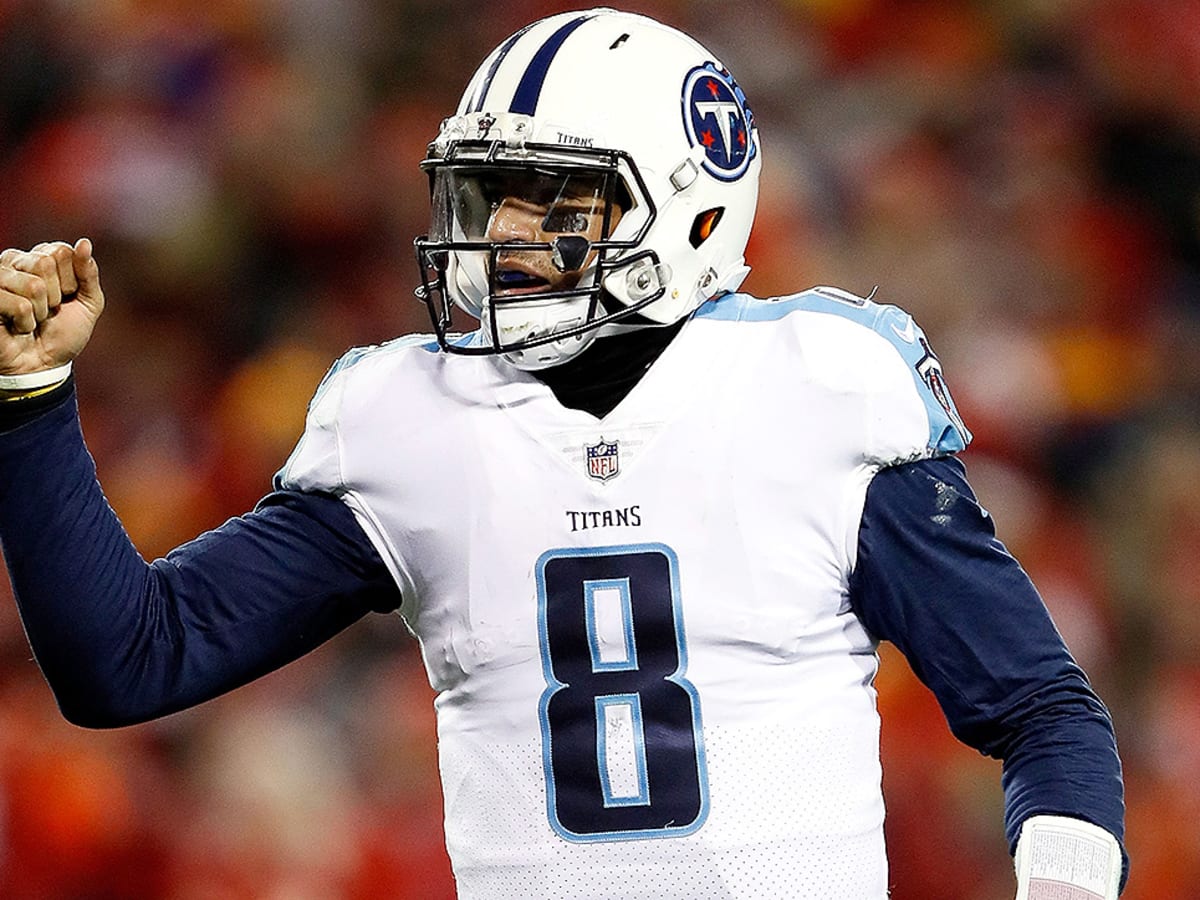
(602, 460)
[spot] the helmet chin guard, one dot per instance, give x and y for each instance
(641, 204)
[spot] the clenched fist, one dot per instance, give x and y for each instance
(50, 299)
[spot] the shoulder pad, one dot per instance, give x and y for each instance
(947, 432)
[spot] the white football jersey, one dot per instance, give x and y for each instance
(650, 682)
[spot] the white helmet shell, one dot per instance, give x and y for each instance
(601, 80)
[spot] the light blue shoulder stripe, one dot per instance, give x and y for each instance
(355, 355)
(947, 433)
(345, 362)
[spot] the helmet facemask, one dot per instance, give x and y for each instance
(524, 238)
(678, 174)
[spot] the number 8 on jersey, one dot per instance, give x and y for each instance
(621, 738)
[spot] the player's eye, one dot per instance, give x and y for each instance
(566, 219)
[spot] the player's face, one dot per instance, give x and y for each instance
(562, 207)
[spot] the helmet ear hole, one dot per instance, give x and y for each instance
(704, 224)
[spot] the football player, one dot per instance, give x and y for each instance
(650, 606)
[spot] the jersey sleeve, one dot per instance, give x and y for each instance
(316, 462)
(877, 359)
(945, 431)
(912, 414)
(347, 402)
(932, 578)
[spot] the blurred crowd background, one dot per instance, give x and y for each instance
(1022, 175)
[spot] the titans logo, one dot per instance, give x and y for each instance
(716, 117)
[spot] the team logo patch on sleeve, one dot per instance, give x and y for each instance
(929, 367)
(603, 460)
(716, 117)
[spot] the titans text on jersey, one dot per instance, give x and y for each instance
(626, 517)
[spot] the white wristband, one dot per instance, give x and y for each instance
(1063, 858)
(35, 380)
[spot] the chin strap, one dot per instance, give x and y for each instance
(1062, 858)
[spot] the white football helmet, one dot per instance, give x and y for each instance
(637, 150)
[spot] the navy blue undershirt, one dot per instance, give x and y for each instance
(933, 579)
(122, 641)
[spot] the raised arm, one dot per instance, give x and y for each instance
(121, 640)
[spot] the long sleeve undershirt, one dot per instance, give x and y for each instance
(121, 640)
(932, 578)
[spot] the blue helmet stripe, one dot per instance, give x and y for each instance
(525, 100)
(476, 104)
